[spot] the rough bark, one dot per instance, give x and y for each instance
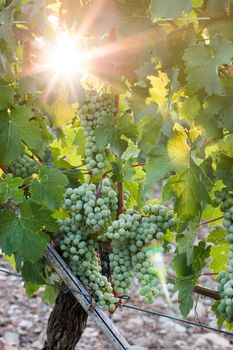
(66, 323)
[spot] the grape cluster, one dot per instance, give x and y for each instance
(80, 250)
(90, 212)
(222, 199)
(92, 206)
(225, 278)
(24, 166)
(126, 195)
(132, 236)
(94, 106)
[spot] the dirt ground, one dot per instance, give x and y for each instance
(23, 322)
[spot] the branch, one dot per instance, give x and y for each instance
(121, 202)
(209, 221)
(199, 289)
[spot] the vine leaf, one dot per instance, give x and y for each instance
(31, 273)
(20, 231)
(50, 295)
(16, 128)
(9, 189)
(190, 108)
(174, 156)
(202, 62)
(6, 97)
(188, 274)
(185, 287)
(112, 130)
(48, 188)
(189, 188)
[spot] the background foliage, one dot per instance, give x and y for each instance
(171, 65)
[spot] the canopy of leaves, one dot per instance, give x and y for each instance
(20, 232)
(49, 187)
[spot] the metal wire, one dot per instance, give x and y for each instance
(63, 288)
(126, 297)
(191, 323)
(10, 273)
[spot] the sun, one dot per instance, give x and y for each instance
(65, 58)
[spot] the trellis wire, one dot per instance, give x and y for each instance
(126, 297)
(191, 323)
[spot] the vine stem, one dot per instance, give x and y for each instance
(121, 202)
(199, 289)
(209, 221)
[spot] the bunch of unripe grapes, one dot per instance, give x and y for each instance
(133, 239)
(95, 105)
(92, 206)
(223, 199)
(24, 166)
(90, 213)
(81, 252)
(225, 286)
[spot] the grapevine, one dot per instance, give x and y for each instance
(114, 139)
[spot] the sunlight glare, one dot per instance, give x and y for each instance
(65, 57)
(157, 259)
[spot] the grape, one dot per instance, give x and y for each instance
(132, 234)
(93, 107)
(225, 280)
(86, 207)
(24, 166)
(130, 256)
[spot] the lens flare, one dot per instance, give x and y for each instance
(157, 259)
(65, 57)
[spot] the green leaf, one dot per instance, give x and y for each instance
(201, 253)
(111, 130)
(9, 189)
(31, 288)
(31, 274)
(6, 97)
(49, 187)
(80, 141)
(169, 8)
(202, 62)
(15, 129)
(159, 90)
(187, 275)
(174, 156)
(189, 188)
(210, 213)
(20, 231)
(50, 294)
(219, 250)
(131, 152)
(185, 287)
(185, 244)
(150, 129)
(190, 108)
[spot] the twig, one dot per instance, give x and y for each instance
(199, 289)
(209, 221)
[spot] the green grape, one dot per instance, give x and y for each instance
(93, 107)
(225, 281)
(24, 167)
(130, 257)
(85, 205)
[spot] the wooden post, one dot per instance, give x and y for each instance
(84, 298)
